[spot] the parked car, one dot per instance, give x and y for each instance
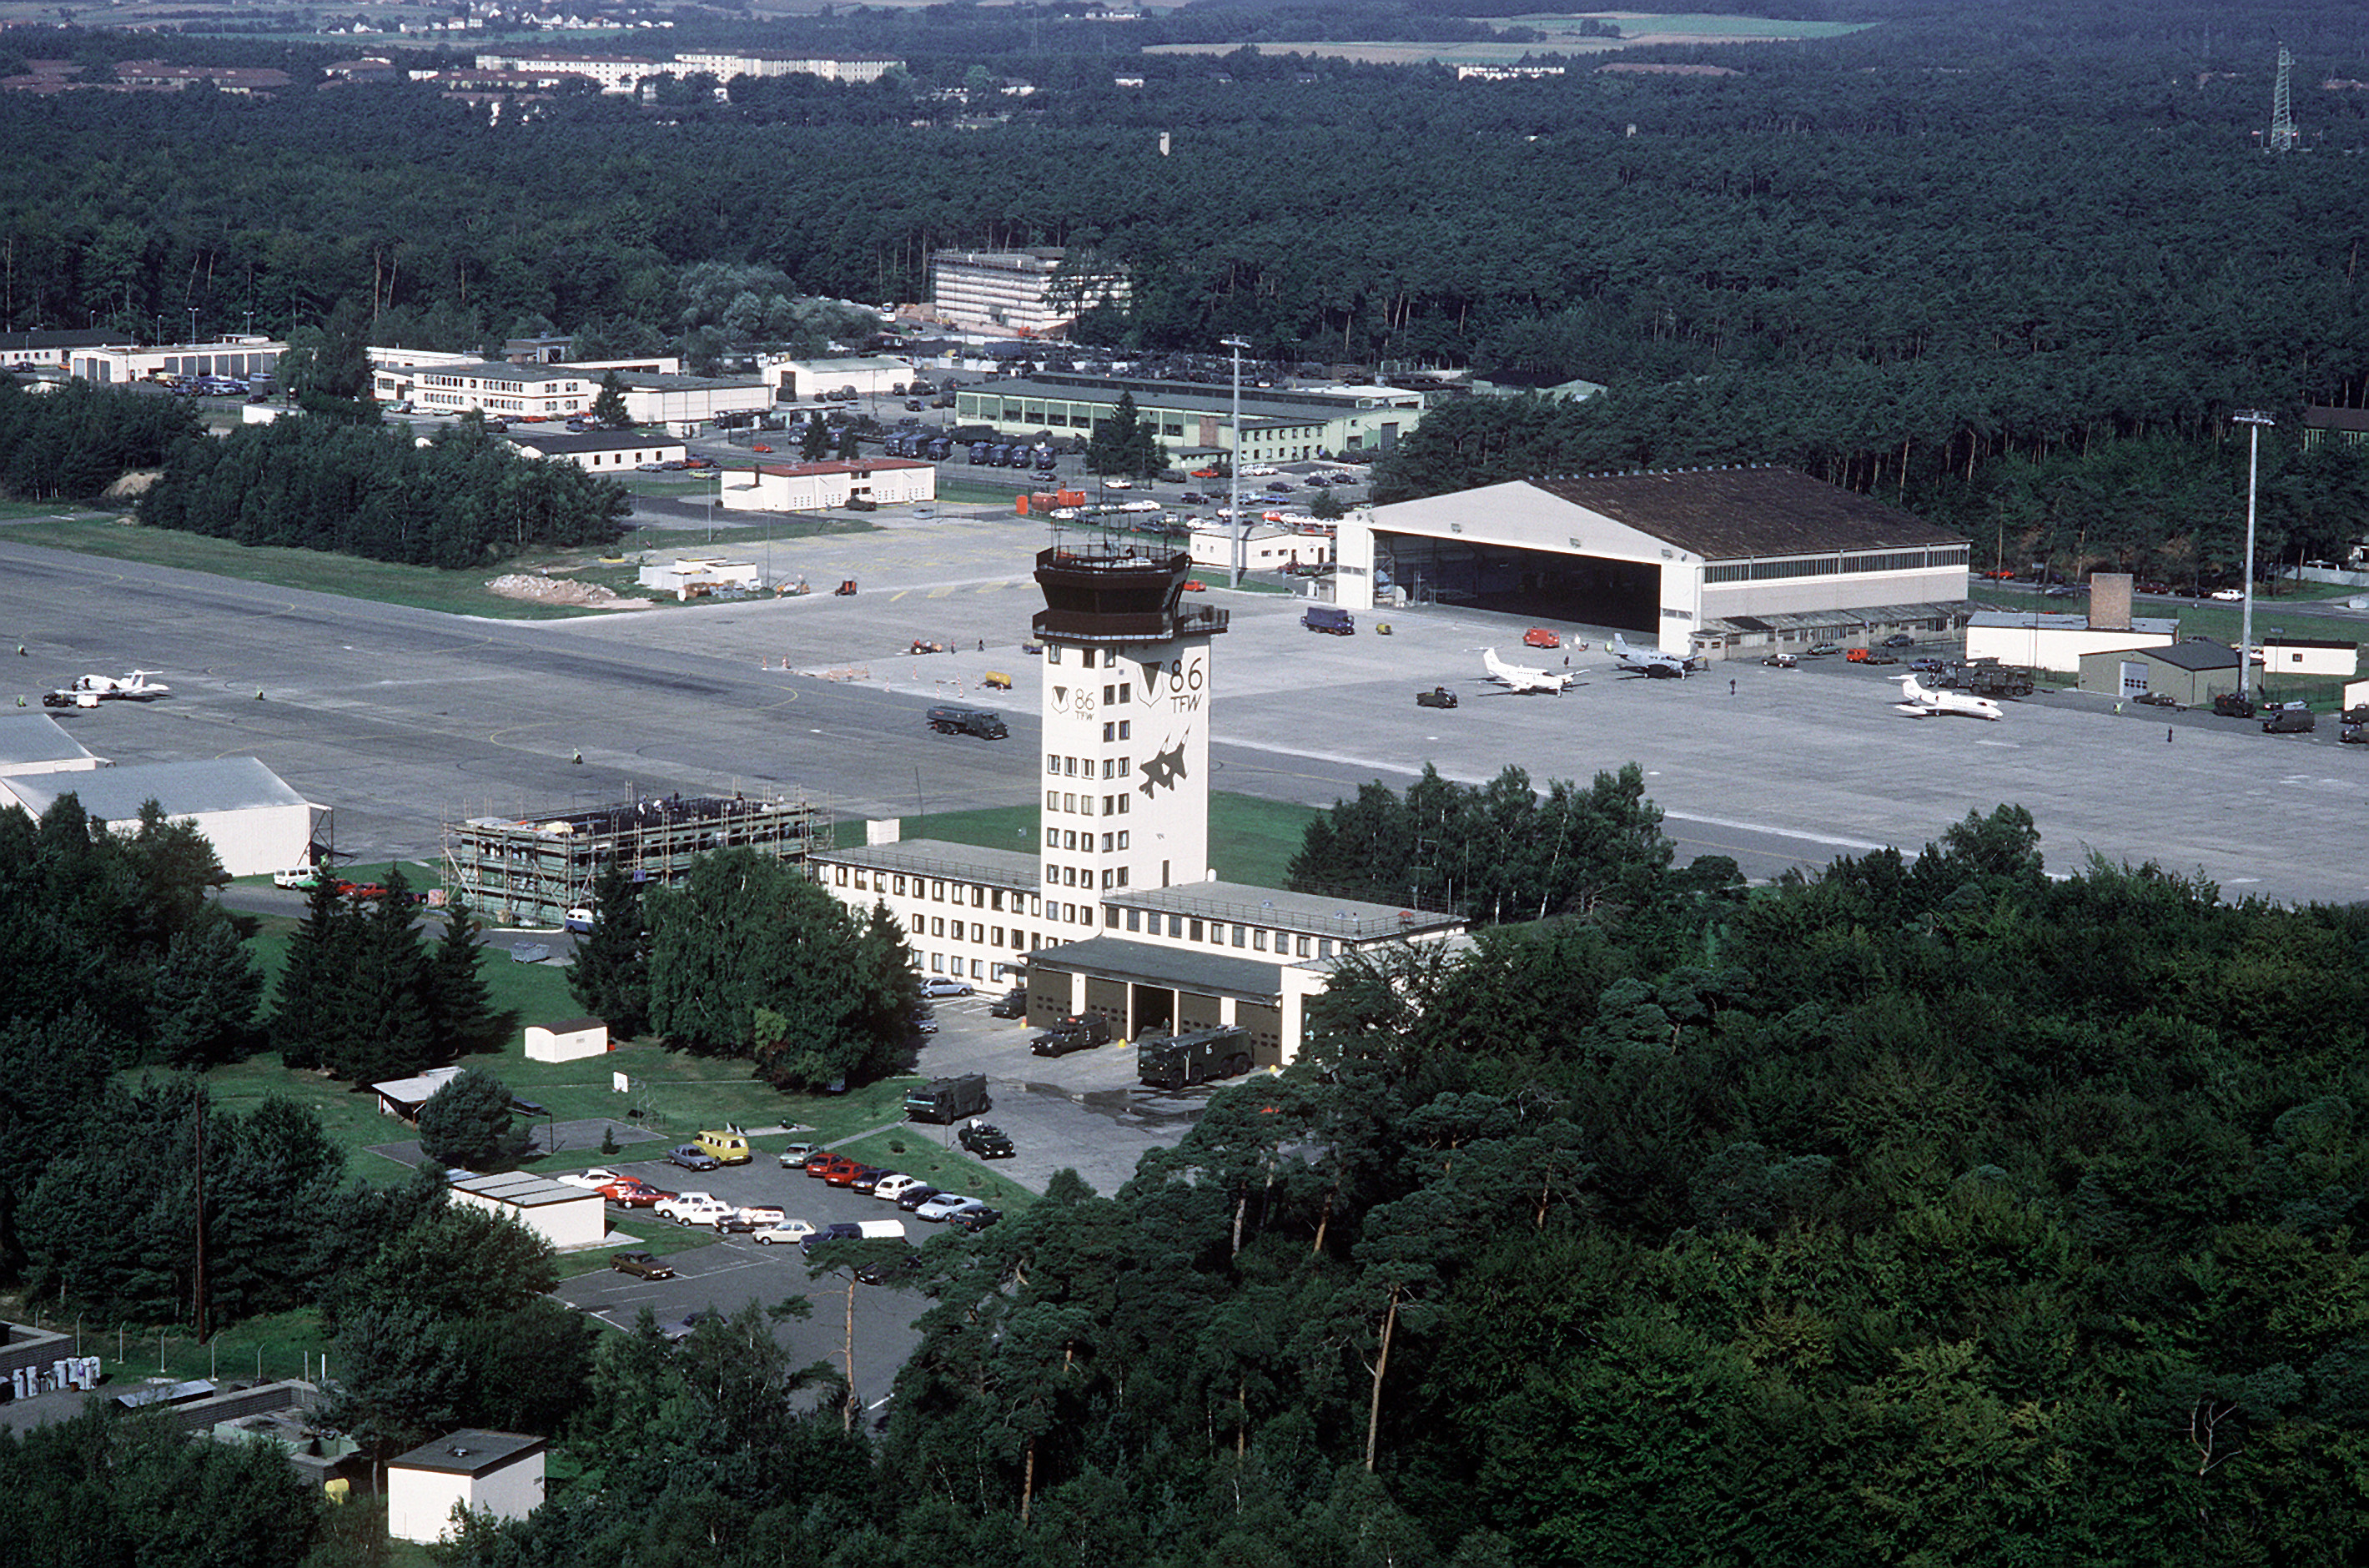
(2229, 704)
(2288, 721)
(628, 1192)
(913, 1199)
(2159, 699)
(868, 1178)
(889, 1271)
(692, 1157)
(974, 1219)
(692, 1208)
(1927, 665)
(788, 1230)
(2355, 735)
(1900, 639)
(846, 1176)
(941, 985)
(797, 1154)
(752, 1217)
(641, 1265)
(578, 920)
(2227, 595)
(1782, 662)
(894, 1185)
(594, 1179)
(938, 1208)
(1012, 1003)
(826, 1161)
(1438, 697)
(1821, 650)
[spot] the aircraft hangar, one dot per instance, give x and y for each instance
(1709, 561)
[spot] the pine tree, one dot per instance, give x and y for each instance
(814, 442)
(309, 1017)
(607, 409)
(460, 1005)
(208, 989)
(468, 1122)
(389, 1032)
(611, 976)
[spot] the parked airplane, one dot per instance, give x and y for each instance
(1649, 662)
(1516, 677)
(134, 685)
(1919, 702)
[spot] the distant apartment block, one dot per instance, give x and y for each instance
(724, 67)
(1015, 291)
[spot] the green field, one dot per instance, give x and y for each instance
(423, 588)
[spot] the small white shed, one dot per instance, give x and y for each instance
(569, 1039)
(499, 1473)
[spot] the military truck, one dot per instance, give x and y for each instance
(948, 1100)
(953, 720)
(1177, 1061)
(1077, 1032)
(1987, 679)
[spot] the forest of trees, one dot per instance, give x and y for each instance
(463, 499)
(1886, 258)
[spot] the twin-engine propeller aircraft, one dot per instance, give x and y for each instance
(1650, 661)
(1917, 702)
(1518, 678)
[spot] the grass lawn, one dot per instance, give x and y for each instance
(929, 1153)
(1249, 840)
(461, 593)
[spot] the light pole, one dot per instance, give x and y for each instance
(193, 326)
(1234, 464)
(2254, 419)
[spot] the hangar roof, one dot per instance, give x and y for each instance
(184, 789)
(1726, 513)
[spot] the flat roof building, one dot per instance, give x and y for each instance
(1279, 425)
(1025, 293)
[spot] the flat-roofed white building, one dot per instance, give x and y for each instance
(599, 452)
(496, 1474)
(867, 375)
(614, 73)
(2036, 640)
(1020, 291)
(724, 67)
(829, 482)
(570, 1218)
(688, 577)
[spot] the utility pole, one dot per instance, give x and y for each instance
(2254, 419)
(1234, 467)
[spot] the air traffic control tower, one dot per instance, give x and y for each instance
(1127, 682)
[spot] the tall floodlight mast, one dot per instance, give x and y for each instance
(2282, 125)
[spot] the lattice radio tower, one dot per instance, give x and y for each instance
(2282, 125)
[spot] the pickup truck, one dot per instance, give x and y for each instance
(1438, 697)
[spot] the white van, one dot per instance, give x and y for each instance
(881, 1230)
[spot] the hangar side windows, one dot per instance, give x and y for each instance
(1942, 555)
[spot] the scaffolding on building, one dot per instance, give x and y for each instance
(533, 870)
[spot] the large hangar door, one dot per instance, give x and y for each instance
(1537, 584)
(1195, 1011)
(1108, 998)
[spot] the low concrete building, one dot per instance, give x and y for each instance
(1265, 548)
(870, 375)
(497, 1474)
(402, 1096)
(2034, 639)
(36, 743)
(2311, 656)
(600, 452)
(690, 577)
(687, 404)
(2190, 674)
(813, 487)
(570, 1218)
(253, 820)
(569, 1039)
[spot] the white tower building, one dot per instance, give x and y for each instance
(1128, 676)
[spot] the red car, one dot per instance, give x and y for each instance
(849, 1173)
(631, 1194)
(1539, 636)
(1206, 473)
(826, 1163)
(761, 448)
(1194, 585)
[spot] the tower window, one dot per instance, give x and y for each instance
(1052, 762)
(1123, 725)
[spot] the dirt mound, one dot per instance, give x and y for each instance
(560, 590)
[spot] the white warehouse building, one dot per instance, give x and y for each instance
(256, 823)
(1712, 562)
